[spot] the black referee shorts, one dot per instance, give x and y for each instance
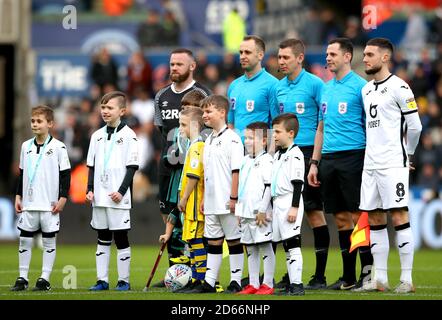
(312, 196)
(340, 174)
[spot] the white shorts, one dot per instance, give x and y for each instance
(254, 234)
(384, 189)
(110, 218)
(282, 229)
(218, 226)
(35, 220)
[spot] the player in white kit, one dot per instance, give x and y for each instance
(254, 208)
(393, 128)
(42, 192)
(112, 159)
(286, 190)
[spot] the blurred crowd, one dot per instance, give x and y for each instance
(420, 66)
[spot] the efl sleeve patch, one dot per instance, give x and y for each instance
(411, 104)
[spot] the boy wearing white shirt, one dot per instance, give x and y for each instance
(223, 153)
(255, 210)
(42, 193)
(113, 158)
(286, 189)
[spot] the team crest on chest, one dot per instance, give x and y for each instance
(342, 107)
(300, 108)
(250, 105)
(120, 141)
(281, 107)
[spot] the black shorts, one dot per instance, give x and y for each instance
(340, 174)
(311, 196)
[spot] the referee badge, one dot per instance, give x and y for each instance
(342, 108)
(300, 109)
(250, 105)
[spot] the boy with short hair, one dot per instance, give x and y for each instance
(113, 158)
(42, 192)
(223, 153)
(255, 209)
(286, 189)
(191, 195)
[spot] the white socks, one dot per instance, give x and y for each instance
(24, 255)
(123, 264)
(295, 265)
(268, 257)
(213, 264)
(405, 245)
(253, 263)
(102, 260)
(380, 246)
(48, 257)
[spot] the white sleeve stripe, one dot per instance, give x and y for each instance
(200, 90)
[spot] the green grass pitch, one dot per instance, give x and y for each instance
(427, 275)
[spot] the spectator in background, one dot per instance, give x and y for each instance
(202, 62)
(419, 82)
(330, 29)
(354, 32)
(104, 70)
(139, 74)
(143, 106)
(415, 34)
(211, 76)
(436, 26)
(171, 35)
(312, 29)
(234, 30)
(229, 66)
(175, 7)
(150, 32)
(75, 138)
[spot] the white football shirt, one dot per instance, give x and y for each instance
(389, 107)
(287, 167)
(254, 174)
(223, 153)
(44, 192)
(107, 179)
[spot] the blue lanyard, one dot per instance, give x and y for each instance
(276, 175)
(33, 170)
(109, 152)
(243, 182)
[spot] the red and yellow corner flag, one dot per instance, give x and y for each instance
(361, 233)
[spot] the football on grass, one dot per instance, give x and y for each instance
(177, 276)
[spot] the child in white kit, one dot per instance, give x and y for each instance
(254, 208)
